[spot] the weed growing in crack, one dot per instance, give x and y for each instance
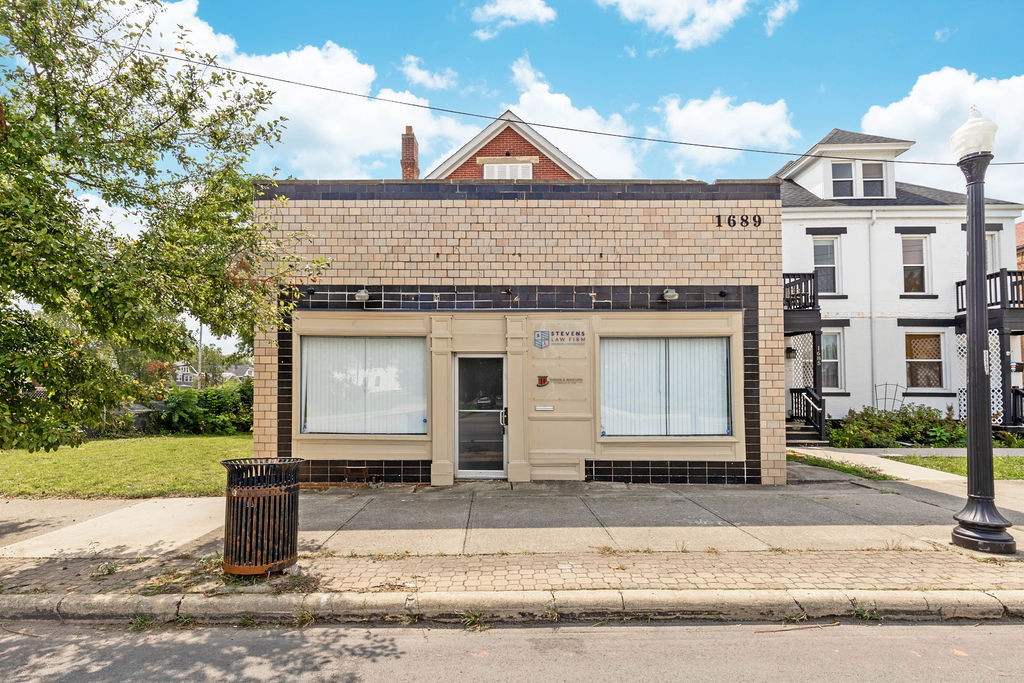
(867, 614)
(141, 622)
(248, 621)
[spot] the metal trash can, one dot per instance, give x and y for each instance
(261, 520)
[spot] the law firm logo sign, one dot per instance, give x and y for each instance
(542, 339)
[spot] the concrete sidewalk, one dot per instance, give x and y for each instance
(394, 549)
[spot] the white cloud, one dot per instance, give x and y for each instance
(605, 157)
(778, 13)
(500, 14)
(124, 223)
(717, 120)
(943, 34)
(629, 51)
(935, 107)
(417, 75)
(327, 135)
(691, 23)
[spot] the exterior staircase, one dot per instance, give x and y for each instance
(799, 433)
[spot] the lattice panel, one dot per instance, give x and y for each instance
(803, 364)
(995, 376)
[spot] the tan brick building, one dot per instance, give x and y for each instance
(531, 323)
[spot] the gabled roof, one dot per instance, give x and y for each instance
(508, 120)
(838, 136)
(795, 196)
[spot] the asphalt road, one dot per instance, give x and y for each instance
(850, 651)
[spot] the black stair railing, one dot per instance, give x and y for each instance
(809, 406)
(1016, 406)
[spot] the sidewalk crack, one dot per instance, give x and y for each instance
(600, 521)
(732, 524)
(469, 516)
(1006, 610)
(56, 608)
(342, 526)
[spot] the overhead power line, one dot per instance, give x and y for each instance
(533, 124)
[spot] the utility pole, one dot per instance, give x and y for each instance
(199, 374)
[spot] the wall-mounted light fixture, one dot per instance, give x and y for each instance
(723, 293)
(670, 295)
(790, 352)
(310, 291)
(362, 295)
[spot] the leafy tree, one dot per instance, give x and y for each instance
(83, 110)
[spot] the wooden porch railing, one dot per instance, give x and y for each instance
(809, 406)
(1004, 289)
(799, 291)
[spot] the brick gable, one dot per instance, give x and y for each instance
(516, 145)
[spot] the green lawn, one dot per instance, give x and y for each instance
(124, 468)
(1006, 466)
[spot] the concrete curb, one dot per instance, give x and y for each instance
(517, 606)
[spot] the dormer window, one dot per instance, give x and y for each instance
(874, 181)
(858, 179)
(842, 179)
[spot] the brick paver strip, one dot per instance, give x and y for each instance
(913, 570)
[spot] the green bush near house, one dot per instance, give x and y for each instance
(911, 425)
(225, 409)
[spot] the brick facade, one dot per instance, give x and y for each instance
(499, 234)
(510, 143)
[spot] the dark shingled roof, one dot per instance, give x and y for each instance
(838, 136)
(794, 195)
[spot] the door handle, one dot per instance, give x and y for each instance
(503, 417)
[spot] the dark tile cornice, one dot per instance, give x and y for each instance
(347, 190)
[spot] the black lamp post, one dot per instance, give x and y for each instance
(981, 526)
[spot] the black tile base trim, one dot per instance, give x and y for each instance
(342, 471)
(673, 472)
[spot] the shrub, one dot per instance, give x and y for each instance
(216, 410)
(912, 424)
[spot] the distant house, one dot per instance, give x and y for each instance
(184, 374)
(237, 373)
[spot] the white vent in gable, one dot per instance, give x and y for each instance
(508, 171)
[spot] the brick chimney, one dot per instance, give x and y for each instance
(410, 155)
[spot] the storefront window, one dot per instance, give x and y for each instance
(363, 385)
(665, 387)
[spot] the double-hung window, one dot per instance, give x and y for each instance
(842, 179)
(924, 361)
(363, 385)
(678, 386)
(831, 354)
(991, 252)
(858, 179)
(873, 179)
(508, 171)
(914, 271)
(825, 264)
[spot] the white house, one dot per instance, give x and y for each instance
(184, 374)
(887, 257)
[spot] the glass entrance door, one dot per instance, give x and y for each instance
(481, 416)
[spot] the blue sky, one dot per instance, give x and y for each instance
(696, 70)
(720, 71)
